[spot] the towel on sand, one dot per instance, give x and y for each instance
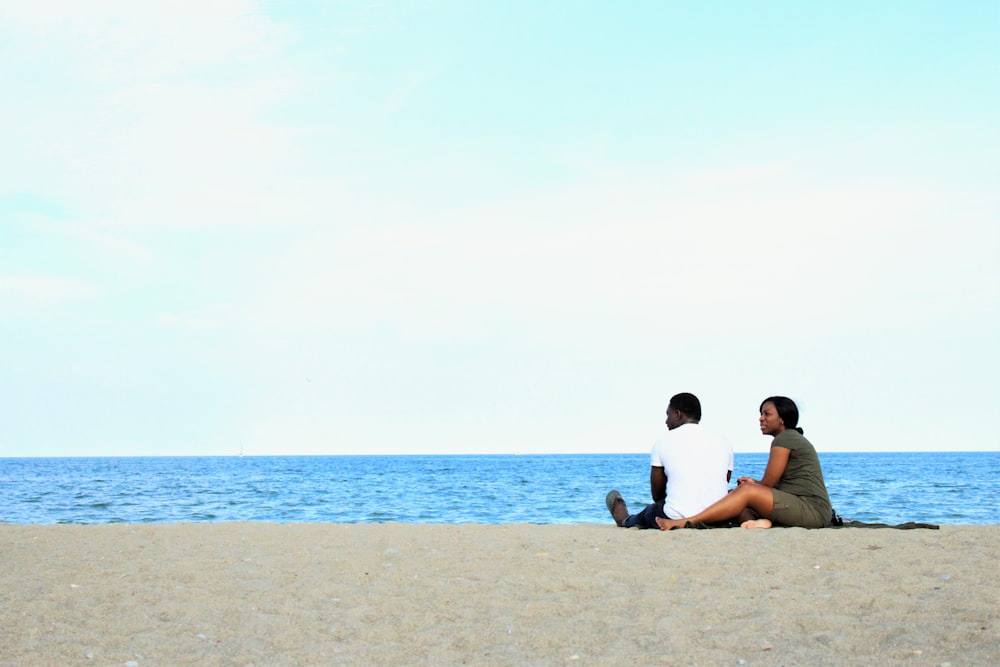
(846, 523)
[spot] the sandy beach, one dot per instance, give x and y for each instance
(433, 594)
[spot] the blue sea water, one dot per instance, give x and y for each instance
(939, 487)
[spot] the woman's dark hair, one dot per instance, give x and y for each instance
(787, 410)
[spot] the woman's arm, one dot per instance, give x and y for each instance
(776, 464)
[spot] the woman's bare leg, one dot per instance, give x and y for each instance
(756, 497)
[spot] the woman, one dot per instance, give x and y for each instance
(792, 491)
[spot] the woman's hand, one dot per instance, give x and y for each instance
(740, 481)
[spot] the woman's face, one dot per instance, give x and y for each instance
(770, 422)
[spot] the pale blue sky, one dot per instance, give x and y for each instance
(410, 227)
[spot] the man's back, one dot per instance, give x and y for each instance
(696, 462)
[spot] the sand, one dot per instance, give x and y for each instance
(406, 594)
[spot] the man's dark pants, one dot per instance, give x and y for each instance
(645, 518)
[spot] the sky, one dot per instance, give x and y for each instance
(495, 227)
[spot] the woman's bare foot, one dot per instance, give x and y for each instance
(670, 524)
(756, 523)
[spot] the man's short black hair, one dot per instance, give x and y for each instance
(688, 404)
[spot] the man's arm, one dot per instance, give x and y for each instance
(657, 483)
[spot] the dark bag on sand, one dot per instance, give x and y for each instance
(838, 522)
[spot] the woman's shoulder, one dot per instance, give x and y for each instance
(789, 439)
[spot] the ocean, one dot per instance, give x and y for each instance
(937, 487)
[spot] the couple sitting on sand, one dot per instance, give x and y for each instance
(699, 464)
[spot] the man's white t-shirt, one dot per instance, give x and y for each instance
(695, 461)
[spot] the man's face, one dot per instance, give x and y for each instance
(673, 417)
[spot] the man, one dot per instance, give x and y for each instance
(697, 464)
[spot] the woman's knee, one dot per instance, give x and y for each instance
(760, 498)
